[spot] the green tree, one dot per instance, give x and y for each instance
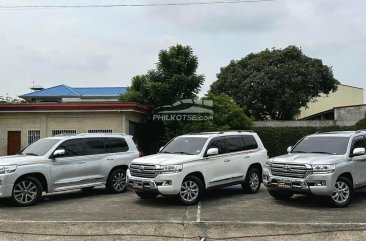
(226, 116)
(275, 84)
(173, 79)
(9, 100)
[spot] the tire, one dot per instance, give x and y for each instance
(280, 195)
(146, 195)
(343, 192)
(253, 181)
(26, 191)
(191, 190)
(117, 181)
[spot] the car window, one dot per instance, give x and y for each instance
(72, 147)
(185, 145)
(116, 145)
(235, 144)
(40, 147)
(94, 146)
(358, 142)
(249, 142)
(322, 144)
(218, 143)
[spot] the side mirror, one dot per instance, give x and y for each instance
(289, 149)
(59, 152)
(161, 148)
(358, 151)
(212, 151)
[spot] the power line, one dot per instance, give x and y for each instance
(132, 5)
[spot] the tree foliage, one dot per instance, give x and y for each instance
(173, 79)
(275, 84)
(9, 100)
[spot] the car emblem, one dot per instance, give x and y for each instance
(286, 168)
(141, 168)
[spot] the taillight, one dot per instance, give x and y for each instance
(141, 154)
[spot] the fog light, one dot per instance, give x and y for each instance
(167, 183)
(304, 185)
(265, 178)
(319, 183)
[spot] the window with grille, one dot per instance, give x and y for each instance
(63, 132)
(107, 131)
(33, 136)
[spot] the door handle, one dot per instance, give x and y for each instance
(110, 159)
(227, 160)
(80, 162)
(246, 156)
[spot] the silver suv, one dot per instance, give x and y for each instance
(63, 163)
(331, 164)
(192, 163)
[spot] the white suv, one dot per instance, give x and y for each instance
(192, 163)
(63, 163)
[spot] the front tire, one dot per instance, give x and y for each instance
(191, 190)
(343, 192)
(26, 191)
(252, 182)
(280, 195)
(117, 181)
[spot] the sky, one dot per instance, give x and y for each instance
(87, 47)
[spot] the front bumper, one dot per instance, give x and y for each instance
(316, 184)
(6, 186)
(165, 184)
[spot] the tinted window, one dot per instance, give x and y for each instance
(40, 147)
(185, 145)
(94, 146)
(72, 147)
(327, 145)
(358, 142)
(249, 142)
(116, 145)
(234, 144)
(219, 144)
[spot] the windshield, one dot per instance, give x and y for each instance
(40, 147)
(323, 145)
(185, 145)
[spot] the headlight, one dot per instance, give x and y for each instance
(323, 168)
(7, 169)
(268, 165)
(170, 168)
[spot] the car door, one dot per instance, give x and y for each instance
(359, 161)
(217, 169)
(237, 165)
(69, 170)
(96, 159)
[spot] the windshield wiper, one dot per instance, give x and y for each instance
(168, 152)
(323, 152)
(30, 154)
(182, 152)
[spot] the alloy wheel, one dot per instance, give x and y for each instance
(189, 191)
(119, 181)
(25, 192)
(341, 192)
(254, 181)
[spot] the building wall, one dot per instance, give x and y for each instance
(117, 121)
(350, 113)
(345, 95)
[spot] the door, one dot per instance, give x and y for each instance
(359, 161)
(239, 159)
(217, 169)
(69, 170)
(14, 142)
(97, 164)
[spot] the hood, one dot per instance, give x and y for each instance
(309, 158)
(165, 159)
(20, 160)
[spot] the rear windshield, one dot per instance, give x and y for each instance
(324, 145)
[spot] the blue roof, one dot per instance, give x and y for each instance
(66, 91)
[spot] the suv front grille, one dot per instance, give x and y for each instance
(289, 170)
(143, 170)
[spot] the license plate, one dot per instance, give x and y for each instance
(285, 185)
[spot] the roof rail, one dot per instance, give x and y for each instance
(360, 130)
(101, 133)
(238, 131)
(218, 132)
(64, 134)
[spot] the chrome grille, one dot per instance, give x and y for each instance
(143, 170)
(289, 170)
